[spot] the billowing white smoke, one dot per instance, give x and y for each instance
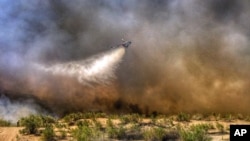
(97, 69)
(13, 111)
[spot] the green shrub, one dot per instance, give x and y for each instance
(183, 117)
(100, 115)
(195, 133)
(91, 115)
(117, 133)
(47, 120)
(60, 125)
(85, 131)
(124, 119)
(31, 124)
(168, 122)
(114, 132)
(48, 133)
(135, 127)
(4, 123)
(148, 134)
(135, 118)
(73, 117)
(83, 123)
(132, 118)
(82, 133)
(154, 134)
(159, 133)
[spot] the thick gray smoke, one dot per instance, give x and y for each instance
(13, 111)
(187, 55)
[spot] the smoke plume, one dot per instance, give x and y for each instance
(186, 55)
(13, 111)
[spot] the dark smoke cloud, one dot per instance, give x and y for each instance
(187, 55)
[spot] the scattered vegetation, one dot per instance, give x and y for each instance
(154, 134)
(73, 117)
(48, 133)
(195, 133)
(113, 131)
(116, 132)
(82, 133)
(133, 118)
(183, 117)
(99, 126)
(31, 124)
(4, 123)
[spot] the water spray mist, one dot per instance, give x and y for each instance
(97, 69)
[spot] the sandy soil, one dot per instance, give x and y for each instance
(12, 134)
(8, 133)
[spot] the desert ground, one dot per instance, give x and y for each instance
(100, 126)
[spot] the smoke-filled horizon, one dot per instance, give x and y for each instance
(186, 55)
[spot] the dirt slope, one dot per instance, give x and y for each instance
(12, 134)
